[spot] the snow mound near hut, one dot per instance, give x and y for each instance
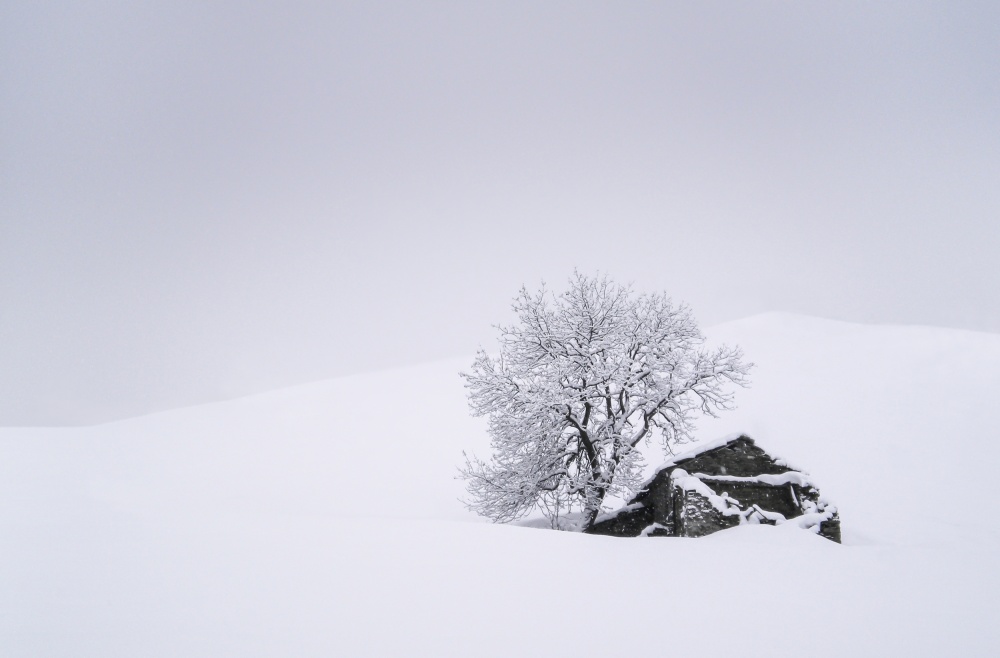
(323, 520)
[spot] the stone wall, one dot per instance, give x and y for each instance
(784, 499)
(695, 516)
(628, 521)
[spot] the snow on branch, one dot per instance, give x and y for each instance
(580, 380)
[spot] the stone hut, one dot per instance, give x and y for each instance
(719, 485)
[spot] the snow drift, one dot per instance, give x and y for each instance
(323, 520)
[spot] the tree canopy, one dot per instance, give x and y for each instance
(580, 380)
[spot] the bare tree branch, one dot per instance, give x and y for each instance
(579, 382)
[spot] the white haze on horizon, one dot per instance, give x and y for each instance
(204, 200)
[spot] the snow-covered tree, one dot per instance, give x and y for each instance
(580, 380)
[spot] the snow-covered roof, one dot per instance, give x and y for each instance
(708, 446)
(703, 448)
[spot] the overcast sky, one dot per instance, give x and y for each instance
(200, 200)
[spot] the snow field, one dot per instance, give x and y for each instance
(322, 520)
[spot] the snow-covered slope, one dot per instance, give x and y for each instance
(323, 520)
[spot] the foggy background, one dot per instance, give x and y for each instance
(202, 200)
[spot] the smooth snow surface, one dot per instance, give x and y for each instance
(322, 520)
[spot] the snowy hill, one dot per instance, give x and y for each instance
(322, 520)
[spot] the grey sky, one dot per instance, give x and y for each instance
(200, 200)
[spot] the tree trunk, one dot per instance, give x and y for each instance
(592, 509)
